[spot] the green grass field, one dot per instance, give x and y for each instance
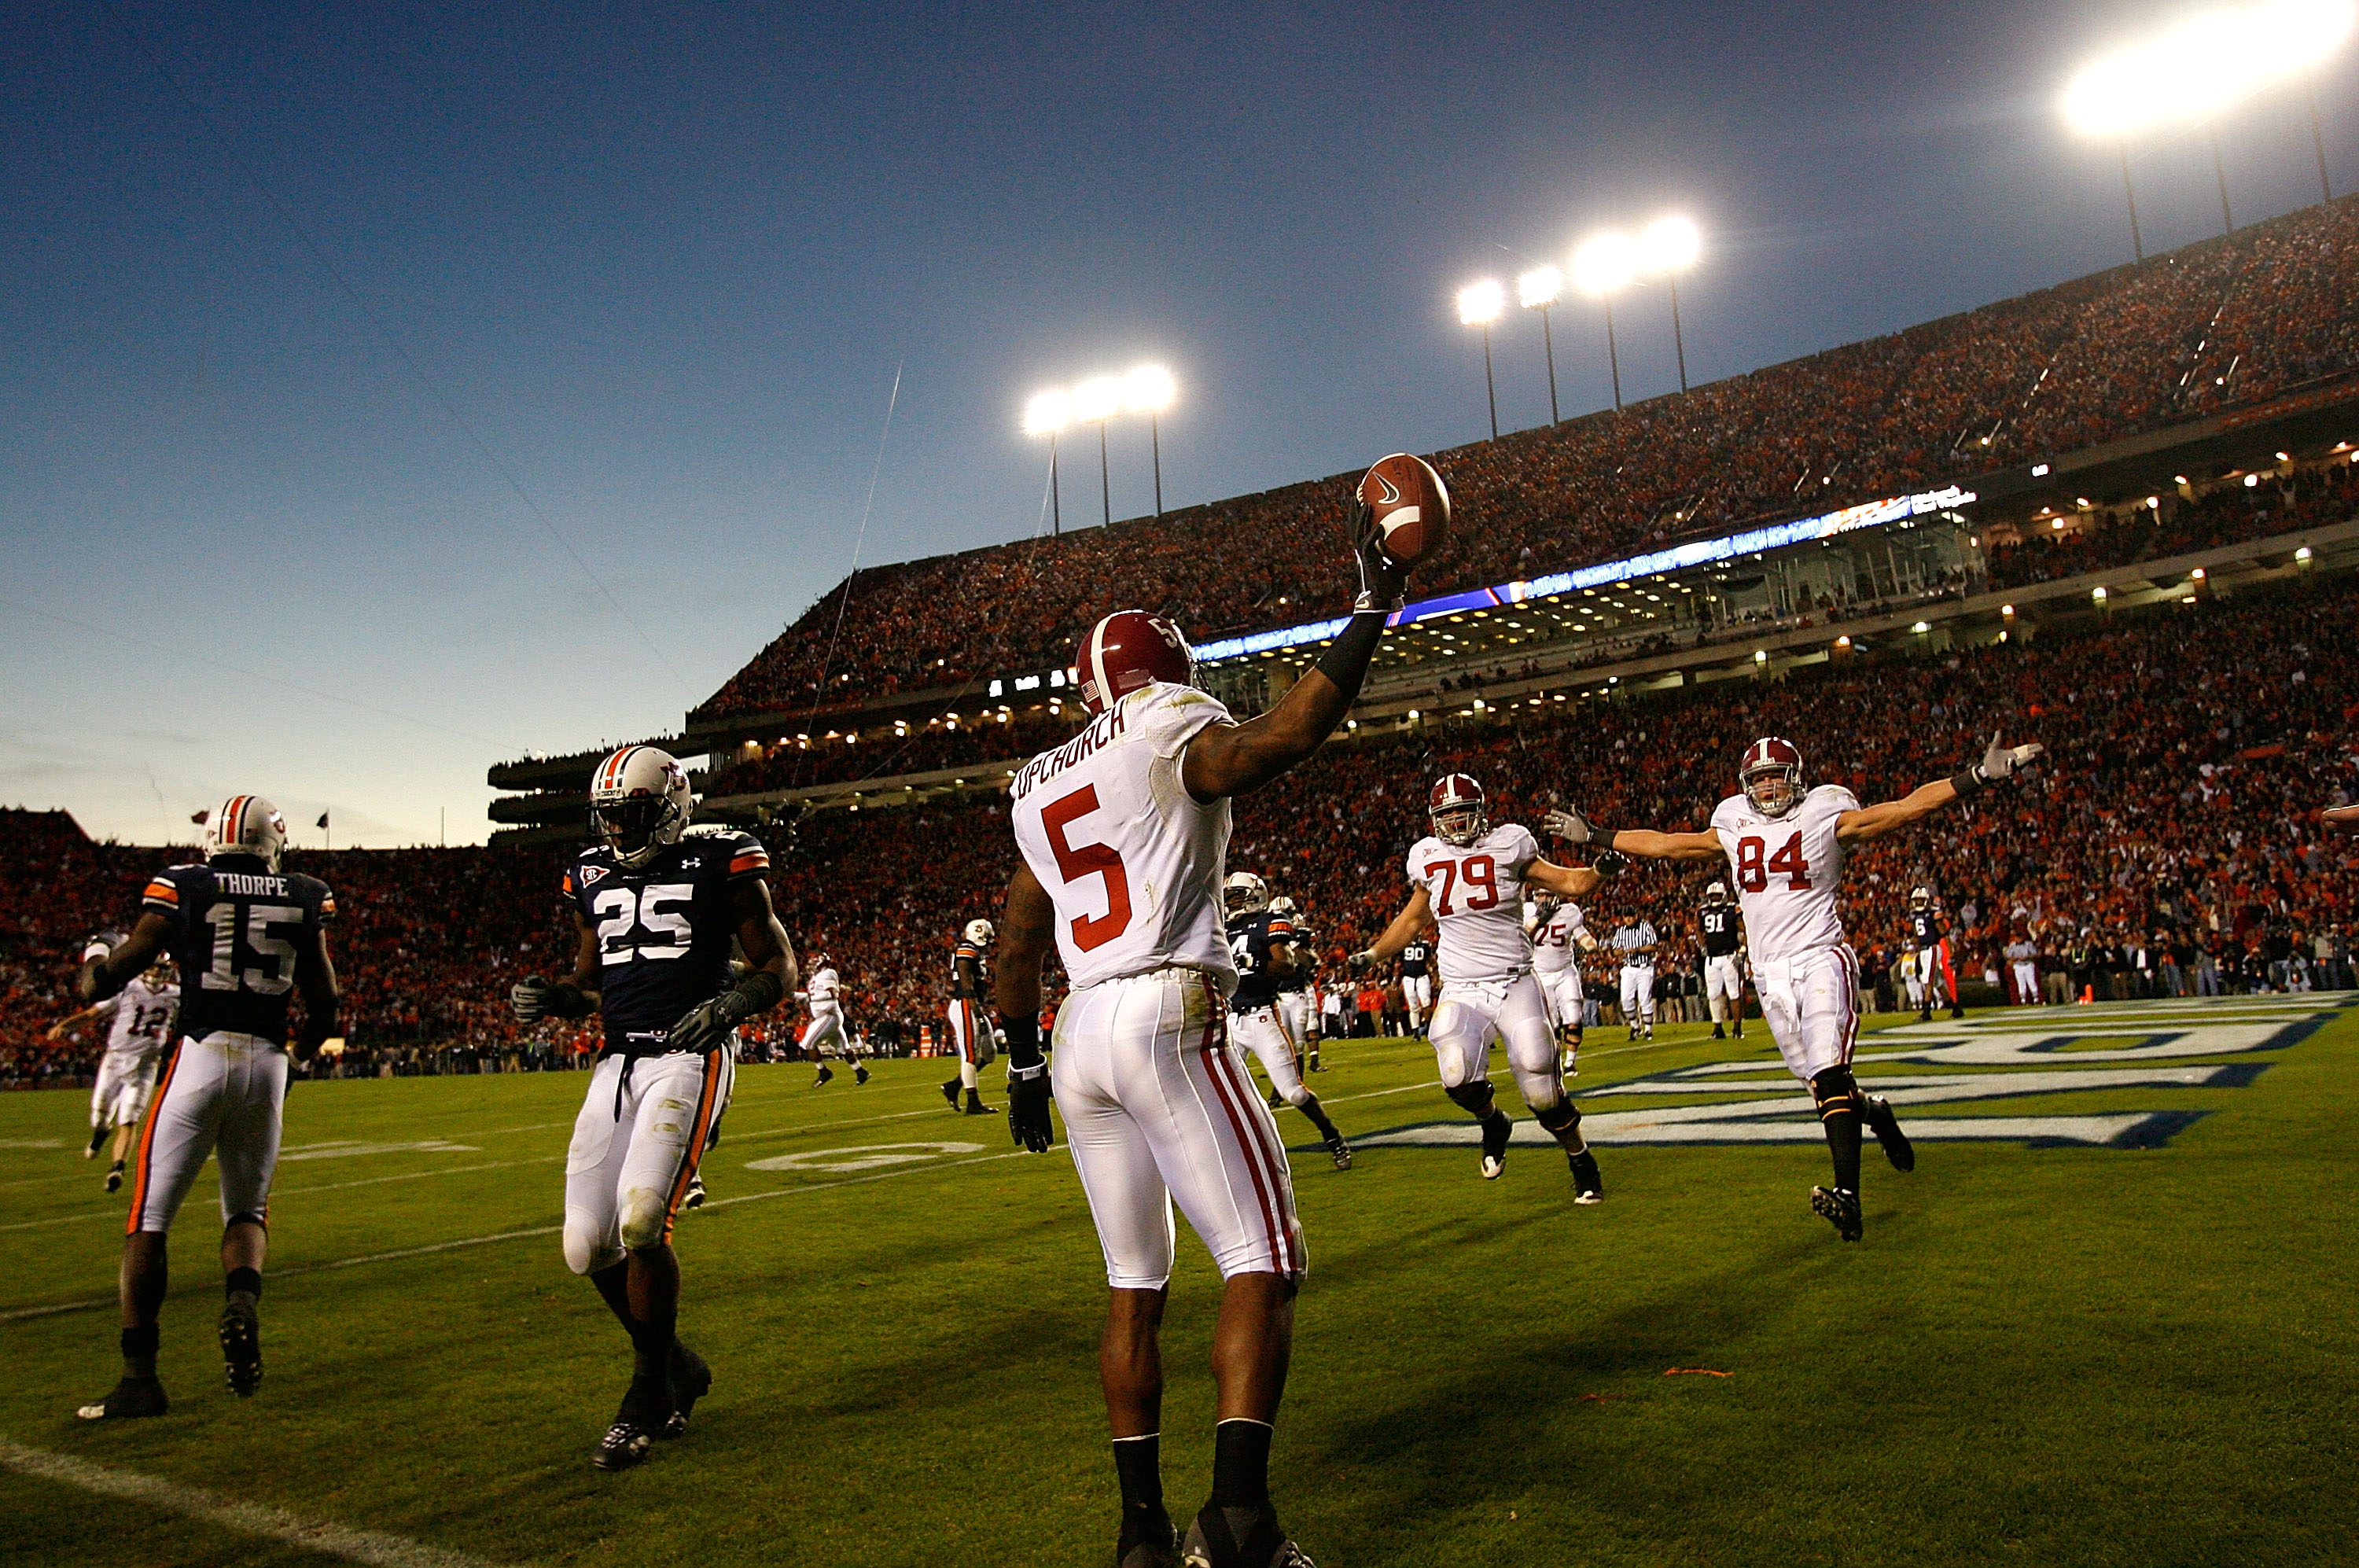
(2046, 1351)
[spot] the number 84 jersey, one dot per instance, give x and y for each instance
(1476, 894)
(1787, 870)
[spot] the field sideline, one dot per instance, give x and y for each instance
(2119, 1332)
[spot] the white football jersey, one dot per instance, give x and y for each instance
(1476, 895)
(1553, 940)
(141, 1018)
(1787, 869)
(826, 990)
(1132, 862)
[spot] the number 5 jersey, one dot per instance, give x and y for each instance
(232, 937)
(1787, 870)
(1476, 894)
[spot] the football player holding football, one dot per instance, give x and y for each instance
(1261, 941)
(1123, 831)
(1786, 847)
(252, 937)
(971, 1031)
(1468, 877)
(139, 1025)
(657, 911)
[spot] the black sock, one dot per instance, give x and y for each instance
(1842, 1142)
(1241, 1464)
(139, 1351)
(1139, 1466)
(1320, 1118)
(247, 1281)
(651, 1349)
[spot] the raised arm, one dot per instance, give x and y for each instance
(1999, 764)
(1415, 916)
(103, 978)
(1026, 926)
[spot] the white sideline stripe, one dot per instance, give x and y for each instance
(251, 1518)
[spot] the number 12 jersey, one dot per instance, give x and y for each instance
(1787, 870)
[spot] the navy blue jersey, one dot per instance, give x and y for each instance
(1304, 941)
(970, 973)
(663, 930)
(1721, 931)
(234, 925)
(1925, 927)
(1416, 958)
(1254, 940)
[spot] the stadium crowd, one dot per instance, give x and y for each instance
(2221, 325)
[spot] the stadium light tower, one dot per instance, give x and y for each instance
(1045, 415)
(1670, 247)
(1149, 389)
(1602, 266)
(1096, 401)
(1479, 305)
(2198, 69)
(1537, 290)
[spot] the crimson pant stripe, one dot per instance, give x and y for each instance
(1247, 1146)
(1265, 1127)
(1851, 1003)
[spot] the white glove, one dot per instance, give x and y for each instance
(1569, 826)
(2001, 761)
(1361, 963)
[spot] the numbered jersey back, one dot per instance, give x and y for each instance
(1476, 895)
(1787, 870)
(663, 930)
(1133, 863)
(1553, 939)
(236, 935)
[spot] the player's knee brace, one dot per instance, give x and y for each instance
(1557, 1119)
(1834, 1091)
(1475, 1098)
(641, 1219)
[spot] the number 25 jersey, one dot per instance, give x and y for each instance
(1787, 870)
(663, 931)
(1476, 895)
(1132, 861)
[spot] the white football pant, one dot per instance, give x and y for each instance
(1418, 991)
(2026, 982)
(1561, 991)
(1638, 996)
(1473, 1012)
(1300, 1020)
(120, 1096)
(1158, 1107)
(1811, 1004)
(636, 1143)
(826, 1028)
(1936, 987)
(970, 1039)
(218, 1095)
(1723, 987)
(1264, 1032)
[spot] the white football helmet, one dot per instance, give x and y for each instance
(1920, 899)
(639, 803)
(246, 825)
(1243, 894)
(1716, 893)
(979, 933)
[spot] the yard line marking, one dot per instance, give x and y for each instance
(373, 1547)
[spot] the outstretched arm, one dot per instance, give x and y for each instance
(1415, 916)
(1565, 881)
(1999, 764)
(1576, 829)
(103, 978)
(2342, 816)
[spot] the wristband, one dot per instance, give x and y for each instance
(566, 1000)
(1969, 782)
(758, 992)
(1346, 662)
(1023, 1046)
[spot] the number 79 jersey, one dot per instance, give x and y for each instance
(1476, 894)
(1787, 871)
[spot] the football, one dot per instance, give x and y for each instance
(1411, 505)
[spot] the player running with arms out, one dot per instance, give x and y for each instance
(1261, 941)
(1724, 961)
(1560, 934)
(1469, 878)
(655, 909)
(140, 1024)
(1786, 849)
(1298, 1002)
(1124, 833)
(824, 997)
(250, 938)
(971, 1033)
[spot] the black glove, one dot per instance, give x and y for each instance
(1028, 1091)
(528, 1000)
(1360, 962)
(1609, 863)
(1382, 585)
(709, 1024)
(86, 982)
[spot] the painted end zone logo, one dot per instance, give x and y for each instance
(2132, 1050)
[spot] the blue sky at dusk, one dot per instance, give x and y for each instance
(352, 356)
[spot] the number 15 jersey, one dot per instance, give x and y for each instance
(1787, 869)
(1476, 895)
(1132, 861)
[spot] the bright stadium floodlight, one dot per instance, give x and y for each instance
(1603, 264)
(1537, 290)
(1096, 401)
(1479, 305)
(1670, 245)
(2198, 69)
(1149, 390)
(1047, 414)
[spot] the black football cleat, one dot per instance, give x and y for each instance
(1957, 1011)
(692, 1380)
(97, 1142)
(1926, 1017)
(975, 1107)
(1149, 1546)
(695, 1197)
(1840, 1209)
(950, 1093)
(826, 1073)
(1886, 1128)
(129, 1399)
(1240, 1537)
(240, 1343)
(1588, 1186)
(645, 1411)
(114, 1178)
(1719, 1031)
(859, 1076)
(1495, 1133)
(1340, 1151)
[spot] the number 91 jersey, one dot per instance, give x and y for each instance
(1787, 870)
(1476, 895)
(663, 931)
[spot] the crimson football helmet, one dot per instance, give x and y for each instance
(1126, 651)
(639, 803)
(1772, 776)
(1459, 813)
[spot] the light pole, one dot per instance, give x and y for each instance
(2317, 140)
(2220, 172)
(1479, 305)
(1670, 247)
(1537, 290)
(2137, 241)
(1602, 267)
(1149, 389)
(1045, 415)
(1096, 401)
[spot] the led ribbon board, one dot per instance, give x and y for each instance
(1776, 536)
